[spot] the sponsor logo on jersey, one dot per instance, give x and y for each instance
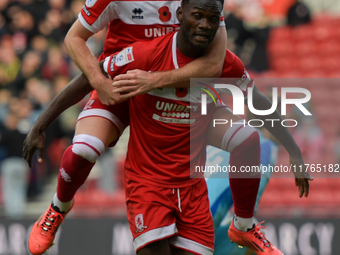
(137, 13)
(125, 57)
(173, 120)
(174, 111)
(160, 31)
(86, 11)
(140, 223)
(112, 64)
(90, 3)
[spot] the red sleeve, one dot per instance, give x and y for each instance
(132, 57)
(234, 68)
(96, 14)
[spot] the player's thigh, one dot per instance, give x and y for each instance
(218, 127)
(156, 248)
(149, 213)
(176, 251)
(98, 127)
(194, 221)
(106, 122)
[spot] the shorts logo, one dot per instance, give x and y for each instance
(140, 223)
(125, 57)
(90, 3)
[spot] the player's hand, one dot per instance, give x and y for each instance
(35, 140)
(302, 177)
(105, 93)
(135, 82)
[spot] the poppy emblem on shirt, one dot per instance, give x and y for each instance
(164, 14)
(181, 92)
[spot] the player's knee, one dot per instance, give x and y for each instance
(88, 147)
(246, 136)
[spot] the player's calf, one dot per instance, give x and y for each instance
(244, 146)
(76, 165)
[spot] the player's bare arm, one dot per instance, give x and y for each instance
(137, 82)
(81, 54)
(261, 102)
(75, 91)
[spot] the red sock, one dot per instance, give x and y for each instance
(73, 172)
(244, 190)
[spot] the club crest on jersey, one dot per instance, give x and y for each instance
(125, 57)
(90, 3)
(137, 13)
(140, 223)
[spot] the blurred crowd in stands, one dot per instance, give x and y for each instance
(34, 67)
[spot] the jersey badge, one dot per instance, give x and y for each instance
(125, 57)
(112, 64)
(140, 223)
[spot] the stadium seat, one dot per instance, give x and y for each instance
(309, 63)
(290, 197)
(328, 48)
(284, 64)
(280, 33)
(271, 198)
(303, 48)
(321, 197)
(303, 32)
(280, 49)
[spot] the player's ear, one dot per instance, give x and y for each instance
(179, 14)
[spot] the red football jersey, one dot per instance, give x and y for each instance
(162, 121)
(130, 21)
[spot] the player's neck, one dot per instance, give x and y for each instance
(186, 48)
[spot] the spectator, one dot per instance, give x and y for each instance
(298, 14)
(9, 63)
(55, 64)
(30, 67)
(249, 32)
(14, 169)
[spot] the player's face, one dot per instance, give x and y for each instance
(200, 20)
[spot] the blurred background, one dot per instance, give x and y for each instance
(286, 39)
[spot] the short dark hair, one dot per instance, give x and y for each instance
(184, 2)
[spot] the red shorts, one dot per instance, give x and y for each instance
(117, 114)
(181, 215)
